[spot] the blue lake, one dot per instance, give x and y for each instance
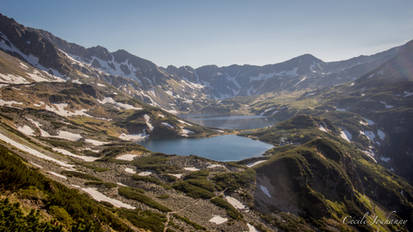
(219, 148)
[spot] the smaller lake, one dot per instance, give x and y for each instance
(219, 148)
(240, 122)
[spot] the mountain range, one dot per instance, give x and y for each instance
(178, 89)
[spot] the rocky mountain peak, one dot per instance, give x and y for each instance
(307, 58)
(121, 55)
(100, 52)
(30, 45)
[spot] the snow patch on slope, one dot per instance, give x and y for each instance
(68, 153)
(147, 121)
(126, 157)
(218, 219)
(26, 130)
(133, 137)
(265, 191)
(66, 135)
(12, 79)
(33, 151)
(250, 165)
(235, 203)
(251, 228)
(130, 170)
(321, 128)
(167, 125)
(9, 103)
(95, 142)
(119, 104)
(381, 134)
(191, 169)
(57, 174)
(98, 196)
(345, 135)
(60, 110)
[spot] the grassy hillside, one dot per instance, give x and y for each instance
(51, 205)
(322, 178)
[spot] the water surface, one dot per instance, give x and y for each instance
(219, 148)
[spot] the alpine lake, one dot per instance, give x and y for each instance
(219, 148)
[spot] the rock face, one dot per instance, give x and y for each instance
(302, 72)
(118, 63)
(39, 51)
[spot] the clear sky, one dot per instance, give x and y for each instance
(195, 32)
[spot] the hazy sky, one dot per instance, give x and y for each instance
(196, 33)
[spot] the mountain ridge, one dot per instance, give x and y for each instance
(193, 89)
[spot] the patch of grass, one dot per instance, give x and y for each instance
(234, 180)
(202, 183)
(61, 214)
(189, 222)
(144, 219)
(32, 193)
(80, 175)
(13, 219)
(231, 211)
(156, 162)
(101, 184)
(197, 175)
(94, 168)
(147, 179)
(163, 196)
(200, 179)
(192, 190)
(196, 185)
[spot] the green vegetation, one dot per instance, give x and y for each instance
(144, 219)
(94, 167)
(60, 214)
(200, 179)
(137, 195)
(231, 211)
(156, 162)
(110, 151)
(234, 180)
(324, 174)
(189, 222)
(192, 190)
(80, 175)
(13, 219)
(101, 184)
(54, 197)
(147, 179)
(163, 196)
(196, 185)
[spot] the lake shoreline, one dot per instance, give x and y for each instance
(222, 148)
